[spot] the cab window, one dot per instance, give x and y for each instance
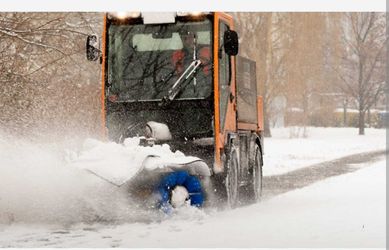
(224, 75)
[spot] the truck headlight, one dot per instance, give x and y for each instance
(123, 15)
(193, 13)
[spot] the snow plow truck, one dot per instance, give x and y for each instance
(176, 79)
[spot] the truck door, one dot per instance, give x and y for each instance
(224, 80)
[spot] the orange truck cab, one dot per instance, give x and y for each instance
(181, 70)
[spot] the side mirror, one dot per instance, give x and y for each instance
(92, 48)
(231, 43)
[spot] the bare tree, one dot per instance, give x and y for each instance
(305, 63)
(262, 38)
(364, 59)
(46, 83)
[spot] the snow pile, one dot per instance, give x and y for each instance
(284, 154)
(118, 163)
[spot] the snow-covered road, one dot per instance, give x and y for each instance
(277, 184)
(342, 211)
(43, 203)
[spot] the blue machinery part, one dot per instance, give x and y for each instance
(180, 178)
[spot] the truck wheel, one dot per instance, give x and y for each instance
(256, 180)
(232, 178)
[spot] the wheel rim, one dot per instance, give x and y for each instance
(257, 175)
(232, 180)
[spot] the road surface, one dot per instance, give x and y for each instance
(278, 184)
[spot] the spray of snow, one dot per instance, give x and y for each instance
(46, 183)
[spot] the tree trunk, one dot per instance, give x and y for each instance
(305, 115)
(345, 114)
(369, 117)
(361, 122)
(267, 132)
(267, 75)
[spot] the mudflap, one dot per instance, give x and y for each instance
(218, 191)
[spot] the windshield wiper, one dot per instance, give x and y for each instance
(177, 86)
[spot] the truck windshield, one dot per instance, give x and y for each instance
(144, 61)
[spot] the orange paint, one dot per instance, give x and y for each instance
(247, 126)
(260, 113)
(218, 166)
(230, 120)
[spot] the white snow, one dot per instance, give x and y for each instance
(343, 211)
(179, 196)
(118, 163)
(350, 110)
(43, 198)
(284, 154)
(38, 186)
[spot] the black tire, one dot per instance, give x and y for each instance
(255, 186)
(231, 180)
